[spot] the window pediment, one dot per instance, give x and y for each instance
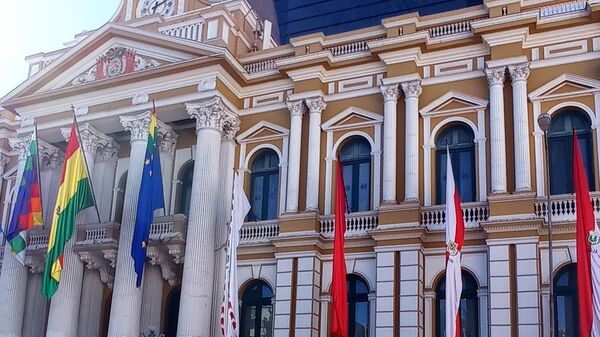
(454, 102)
(263, 131)
(566, 85)
(352, 117)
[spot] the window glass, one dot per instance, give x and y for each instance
(257, 311)
(468, 309)
(566, 307)
(264, 186)
(560, 146)
(358, 306)
(355, 159)
(459, 140)
(186, 178)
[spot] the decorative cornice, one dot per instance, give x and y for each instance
(297, 108)
(390, 92)
(211, 113)
(316, 104)
(412, 89)
(519, 72)
(495, 76)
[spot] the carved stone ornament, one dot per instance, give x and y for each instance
(110, 152)
(390, 92)
(49, 155)
(115, 63)
(140, 98)
(96, 262)
(20, 145)
(168, 143)
(207, 85)
(297, 108)
(519, 72)
(316, 105)
(211, 113)
(412, 89)
(495, 76)
(81, 110)
(90, 138)
(158, 257)
(138, 126)
(231, 127)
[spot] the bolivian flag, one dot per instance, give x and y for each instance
(74, 195)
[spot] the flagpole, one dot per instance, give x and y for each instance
(155, 144)
(39, 168)
(544, 124)
(87, 170)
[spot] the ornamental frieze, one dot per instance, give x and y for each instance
(115, 62)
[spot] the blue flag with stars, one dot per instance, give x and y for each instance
(150, 199)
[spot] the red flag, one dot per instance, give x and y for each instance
(339, 293)
(455, 238)
(587, 258)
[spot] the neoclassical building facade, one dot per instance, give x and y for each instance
(385, 100)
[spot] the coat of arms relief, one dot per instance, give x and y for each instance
(115, 62)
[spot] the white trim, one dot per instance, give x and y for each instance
(372, 117)
(540, 93)
(441, 68)
(478, 103)
(244, 136)
(565, 49)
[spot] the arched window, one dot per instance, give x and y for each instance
(468, 310)
(172, 312)
(355, 158)
(358, 306)
(264, 185)
(460, 142)
(560, 146)
(566, 305)
(120, 198)
(257, 310)
(186, 179)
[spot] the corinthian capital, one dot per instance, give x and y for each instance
(168, 141)
(412, 89)
(495, 76)
(231, 126)
(21, 145)
(519, 72)
(390, 92)
(297, 108)
(49, 155)
(316, 104)
(210, 113)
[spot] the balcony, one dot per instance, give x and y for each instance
(167, 244)
(97, 246)
(562, 207)
(563, 8)
(434, 217)
(357, 224)
(259, 232)
(35, 254)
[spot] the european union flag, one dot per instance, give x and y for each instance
(150, 199)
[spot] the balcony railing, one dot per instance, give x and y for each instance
(261, 231)
(434, 217)
(563, 207)
(451, 28)
(38, 239)
(348, 48)
(562, 8)
(357, 224)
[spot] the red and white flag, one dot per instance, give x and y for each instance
(455, 237)
(339, 292)
(588, 254)
(229, 309)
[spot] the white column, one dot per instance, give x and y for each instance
(65, 304)
(13, 278)
(127, 299)
(293, 186)
(195, 317)
(519, 74)
(315, 108)
(390, 102)
(36, 309)
(226, 163)
(152, 298)
(90, 313)
(104, 179)
(495, 79)
(412, 91)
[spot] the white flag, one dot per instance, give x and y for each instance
(229, 310)
(455, 237)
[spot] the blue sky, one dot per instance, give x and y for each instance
(32, 26)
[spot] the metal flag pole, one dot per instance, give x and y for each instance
(544, 124)
(38, 167)
(87, 171)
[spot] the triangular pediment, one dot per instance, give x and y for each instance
(263, 131)
(352, 117)
(454, 102)
(116, 48)
(566, 85)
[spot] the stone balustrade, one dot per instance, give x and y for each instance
(562, 8)
(97, 246)
(357, 224)
(451, 28)
(563, 207)
(189, 30)
(260, 231)
(434, 217)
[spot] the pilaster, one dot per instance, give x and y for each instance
(315, 107)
